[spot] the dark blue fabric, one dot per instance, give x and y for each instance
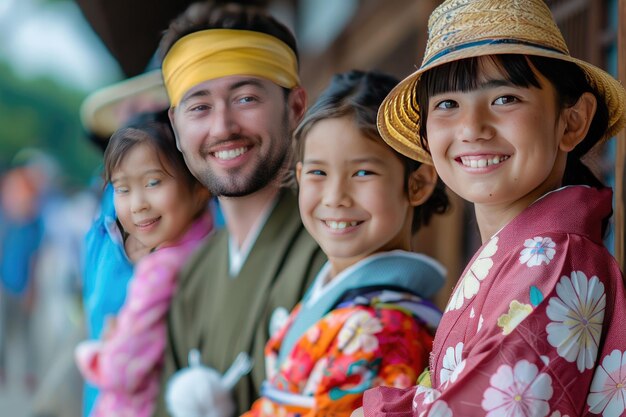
(19, 243)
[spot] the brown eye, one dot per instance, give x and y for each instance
(505, 100)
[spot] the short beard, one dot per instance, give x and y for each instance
(267, 171)
(234, 186)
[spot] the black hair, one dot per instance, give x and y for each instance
(359, 94)
(154, 129)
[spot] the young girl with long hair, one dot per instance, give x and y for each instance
(366, 320)
(162, 211)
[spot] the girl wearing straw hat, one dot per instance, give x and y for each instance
(534, 325)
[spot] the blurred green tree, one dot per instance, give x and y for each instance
(44, 114)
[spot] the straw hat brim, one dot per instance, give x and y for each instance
(101, 112)
(398, 116)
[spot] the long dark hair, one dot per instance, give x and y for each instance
(359, 94)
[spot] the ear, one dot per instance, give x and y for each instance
(171, 113)
(577, 121)
(296, 105)
(298, 172)
(422, 183)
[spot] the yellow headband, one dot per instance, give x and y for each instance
(215, 53)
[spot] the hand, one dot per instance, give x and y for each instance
(358, 412)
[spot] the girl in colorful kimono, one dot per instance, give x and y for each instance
(535, 325)
(160, 206)
(366, 320)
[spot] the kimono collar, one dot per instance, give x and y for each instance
(398, 270)
(577, 209)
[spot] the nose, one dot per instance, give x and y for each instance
(475, 125)
(223, 123)
(138, 202)
(337, 192)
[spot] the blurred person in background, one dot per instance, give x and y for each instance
(163, 207)
(106, 266)
(32, 190)
(21, 233)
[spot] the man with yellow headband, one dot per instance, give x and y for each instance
(231, 73)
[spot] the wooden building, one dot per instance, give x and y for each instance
(390, 35)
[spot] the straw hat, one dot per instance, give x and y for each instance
(108, 109)
(460, 29)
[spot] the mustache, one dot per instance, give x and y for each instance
(206, 150)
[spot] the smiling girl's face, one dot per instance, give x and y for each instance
(353, 198)
(153, 206)
(498, 145)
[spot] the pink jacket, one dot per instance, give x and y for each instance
(126, 363)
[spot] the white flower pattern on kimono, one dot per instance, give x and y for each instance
(470, 283)
(577, 315)
(426, 395)
(538, 250)
(607, 394)
(439, 409)
(358, 332)
(313, 334)
(520, 391)
(271, 365)
(557, 413)
(452, 364)
(316, 376)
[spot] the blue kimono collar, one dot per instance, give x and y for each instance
(398, 270)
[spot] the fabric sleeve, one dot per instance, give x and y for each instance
(389, 401)
(537, 345)
(128, 353)
(492, 379)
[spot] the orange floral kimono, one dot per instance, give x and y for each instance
(368, 327)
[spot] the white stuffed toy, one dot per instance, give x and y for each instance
(200, 391)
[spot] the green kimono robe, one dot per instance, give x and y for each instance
(222, 315)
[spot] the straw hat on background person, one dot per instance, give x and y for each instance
(460, 29)
(109, 108)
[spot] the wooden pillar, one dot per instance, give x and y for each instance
(621, 139)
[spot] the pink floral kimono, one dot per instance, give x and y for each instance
(125, 365)
(535, 326)
(368, 327)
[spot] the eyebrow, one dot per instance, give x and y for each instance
(375, 160)
(205, 92)
(199, 93)
(143, 174)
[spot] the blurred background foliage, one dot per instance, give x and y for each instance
(42, 113)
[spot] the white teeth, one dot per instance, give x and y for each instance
(340, 225)
(230, 154)
(482, 163)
